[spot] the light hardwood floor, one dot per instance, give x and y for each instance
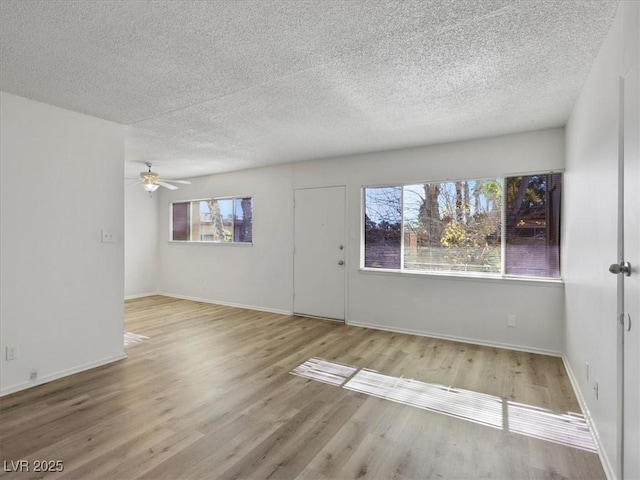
(209, 396)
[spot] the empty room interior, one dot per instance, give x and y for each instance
(273, 239)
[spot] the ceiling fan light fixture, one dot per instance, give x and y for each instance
(150, 187)
(150, 181)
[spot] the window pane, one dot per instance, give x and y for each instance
(221, 213)
(243, 220)
(226, 211)
(201, 222)
(383, 215)
(180, 216)
(533, 225)
(453, 226)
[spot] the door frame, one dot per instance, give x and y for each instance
(621, 255)
(346, 245)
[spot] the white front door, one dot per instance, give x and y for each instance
(319, 252)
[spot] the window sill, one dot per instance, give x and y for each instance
(227, 244)
(474, 277)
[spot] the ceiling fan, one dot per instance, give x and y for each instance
(151, 181)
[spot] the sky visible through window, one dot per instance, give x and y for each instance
(386, 203)
(414, 198)
(226, 209)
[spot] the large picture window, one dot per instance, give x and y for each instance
(497, 226)
(220, 220)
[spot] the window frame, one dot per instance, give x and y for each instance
(233, 242)
(457, 275)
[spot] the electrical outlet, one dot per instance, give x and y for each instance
(108, 237)
(511, 320)
(11, 353)
(595, 388)
(33, 376)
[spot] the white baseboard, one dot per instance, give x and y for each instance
(473, 341)
(140, 295)
(453, 338)
(609, 470)
(226, 304)
(64, 373)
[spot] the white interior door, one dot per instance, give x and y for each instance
(629, 249)
(319, 252)
(631, 283)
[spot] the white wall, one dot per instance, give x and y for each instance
(61, 178)
(257, 276)
(590, 226)
(261, 276)
(141, 241)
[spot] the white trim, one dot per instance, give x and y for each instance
(64, 373)
(315, 317)
(140, 295)
(226, 304)
(453, 338)
(604, 459)
(620, 288)
(204, 242)
(473, 276)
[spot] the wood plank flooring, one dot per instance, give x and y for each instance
(209, 396)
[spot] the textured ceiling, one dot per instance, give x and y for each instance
(213, 86)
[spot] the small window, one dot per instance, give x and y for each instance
(496, 226)
(218, 220)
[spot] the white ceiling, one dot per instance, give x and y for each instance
(213, 86)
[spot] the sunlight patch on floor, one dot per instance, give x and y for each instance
(477, 407)
(133, 339)
(324, 371)
(568, 429)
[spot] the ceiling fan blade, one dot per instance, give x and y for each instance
(185, 182)
(167, 185)
(132, 181)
